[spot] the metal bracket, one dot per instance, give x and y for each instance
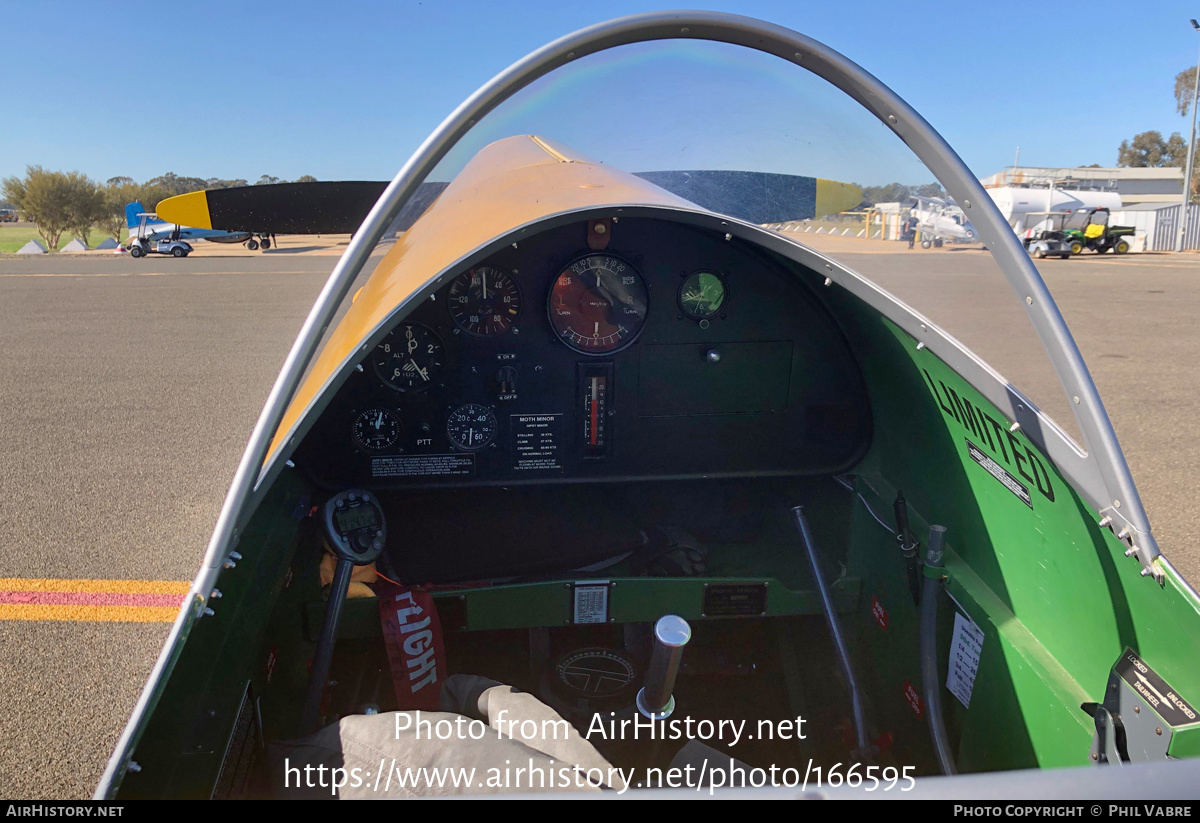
(1112, 519)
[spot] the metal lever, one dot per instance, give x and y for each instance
(324, 654)
(655, 700)
(835, 629)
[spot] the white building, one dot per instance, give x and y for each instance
(1159, 185)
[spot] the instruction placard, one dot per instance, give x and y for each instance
(535, 442)
(964, 658)
(591, 602)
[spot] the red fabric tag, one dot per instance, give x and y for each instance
(412, 635)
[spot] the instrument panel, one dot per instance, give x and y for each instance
(669, 352)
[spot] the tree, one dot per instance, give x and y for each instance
(86, 204)
(56, 201)
(119, 192)
(267, 180)
(1185, 90)
(218, 183)
(307, 178)
(171, 184)
(1150, 150)
(891, 193)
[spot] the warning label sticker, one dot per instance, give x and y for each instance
(591, 603)
(1000, 473)
(1155, 691)
(965, 648)
(424, 465)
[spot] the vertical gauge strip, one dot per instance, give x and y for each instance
(594, 391)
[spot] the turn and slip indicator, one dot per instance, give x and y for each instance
(594, 391)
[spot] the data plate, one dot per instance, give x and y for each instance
(735, 600)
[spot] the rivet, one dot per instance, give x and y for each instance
(1028, 301)
(1158, 729)
(1095, 756)
(728, 236)
(967, 203)
(1137, 709)
(920, 346)
(1076, 399)
(892, 119)
(1014, 427)
(1117, 503)
(799, 56)
(684, 30)
(828, 281)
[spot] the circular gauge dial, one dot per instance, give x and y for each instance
(702, 294)
(484, 301)
(598, 304)
(471, 427)
(409, 358)
(376, 430)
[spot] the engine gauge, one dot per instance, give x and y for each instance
(702, 294)
(409, 358)
(484, 301)
(598, 304)
(376, 430)
(471, 427)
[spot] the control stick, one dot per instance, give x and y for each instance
(656, 701)
(354, 530)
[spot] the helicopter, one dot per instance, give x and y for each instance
(634, 463)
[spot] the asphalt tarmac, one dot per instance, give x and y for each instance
(128, 389)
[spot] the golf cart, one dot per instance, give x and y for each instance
(143, 244)
(1049, 239)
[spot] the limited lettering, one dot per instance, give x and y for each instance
(1001, 442)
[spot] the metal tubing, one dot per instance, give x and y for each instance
(1191, 160)
(931, 684)
(671, 634)
(324, 654)
(810, 546)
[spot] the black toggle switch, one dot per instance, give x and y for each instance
(506, 380)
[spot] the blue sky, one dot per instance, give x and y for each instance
(347, 90)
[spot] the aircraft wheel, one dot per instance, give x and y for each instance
(252, 244)
(937, 244)
(925, 244)
(266, 244)
(136, 251)
(1122, 247)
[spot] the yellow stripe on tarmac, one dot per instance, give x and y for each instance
(110, 614)
(25, 584)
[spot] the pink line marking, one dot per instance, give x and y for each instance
(90, 599)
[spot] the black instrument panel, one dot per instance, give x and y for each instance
(672, 352)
